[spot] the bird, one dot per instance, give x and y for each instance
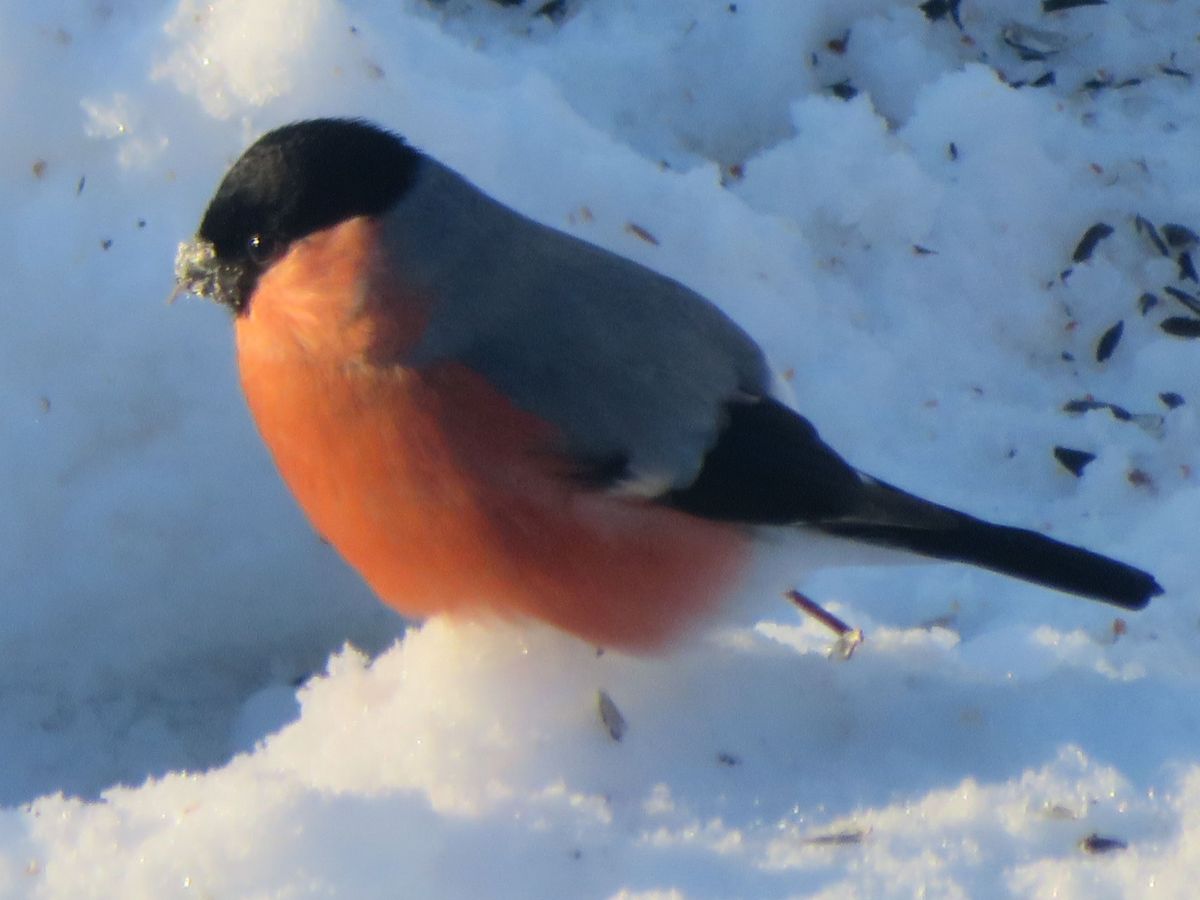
(490, 418)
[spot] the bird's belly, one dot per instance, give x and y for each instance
(448, 499)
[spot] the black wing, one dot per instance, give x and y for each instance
(769, 466)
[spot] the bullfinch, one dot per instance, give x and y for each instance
(486, 416)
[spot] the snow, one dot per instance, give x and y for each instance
(199, 699)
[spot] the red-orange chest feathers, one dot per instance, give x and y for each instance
(443, 494)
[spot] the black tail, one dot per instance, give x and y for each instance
(893, 518)
(769, 466)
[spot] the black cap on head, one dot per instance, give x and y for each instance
(294, 181)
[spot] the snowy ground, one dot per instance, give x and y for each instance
(162, 597)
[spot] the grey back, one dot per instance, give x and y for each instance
(628, 364)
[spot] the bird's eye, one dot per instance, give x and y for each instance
(261, 249)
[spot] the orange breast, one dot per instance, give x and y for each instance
(443, 495)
